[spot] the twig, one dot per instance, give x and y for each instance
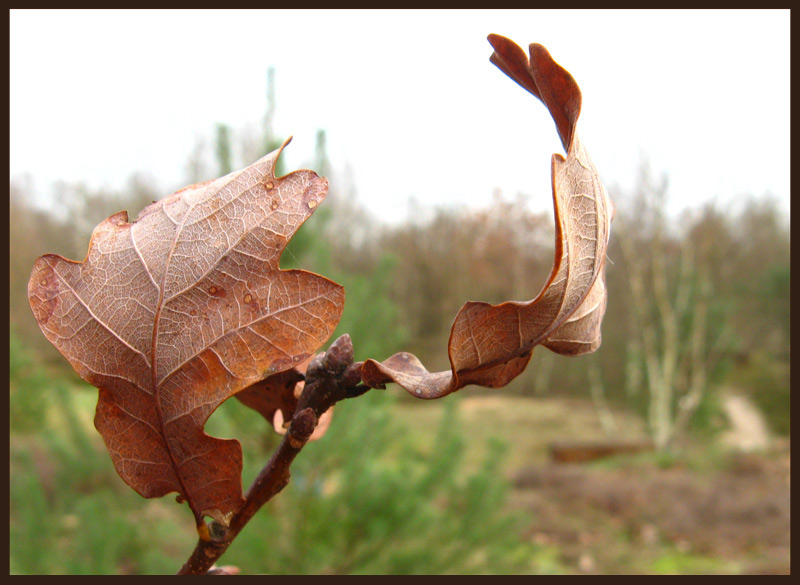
(330, 377)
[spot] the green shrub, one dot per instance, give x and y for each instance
(28, 387)
(362, 500)
(70, 512)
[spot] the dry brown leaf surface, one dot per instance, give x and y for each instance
(173, 313)
(491, 344)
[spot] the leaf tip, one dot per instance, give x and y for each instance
(277, 156)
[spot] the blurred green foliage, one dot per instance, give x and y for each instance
(363, 499)
(223, 150)
(28, 388)
(69, 511)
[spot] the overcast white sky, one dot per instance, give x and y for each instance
(409, 99)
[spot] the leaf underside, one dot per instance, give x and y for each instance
(170, 315)
(276, 398)
(491, 344)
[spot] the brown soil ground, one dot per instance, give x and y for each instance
(710, 508)
(639, 517)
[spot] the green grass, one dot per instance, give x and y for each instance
(675, 562)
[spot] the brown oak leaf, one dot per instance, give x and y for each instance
(491, 344)
(276, 397)
(173, 313)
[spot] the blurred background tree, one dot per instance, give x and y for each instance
(676, 347)
(223, 150)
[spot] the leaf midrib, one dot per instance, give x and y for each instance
(153, 370)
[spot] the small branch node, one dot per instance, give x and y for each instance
(303, 425)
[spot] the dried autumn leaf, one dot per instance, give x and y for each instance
(275, 398)
(174, 313)
(274, 394)
(323, 423)
(491, 344)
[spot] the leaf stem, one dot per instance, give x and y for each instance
(331, 376)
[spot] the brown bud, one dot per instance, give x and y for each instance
(303, 424)
(339, 355)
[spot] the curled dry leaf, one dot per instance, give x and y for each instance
(492, 344)
(323, 423)
(275, 394)
(224, 570)
(174, 313)
(275, 398)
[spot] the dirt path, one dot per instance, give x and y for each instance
(748, 431)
